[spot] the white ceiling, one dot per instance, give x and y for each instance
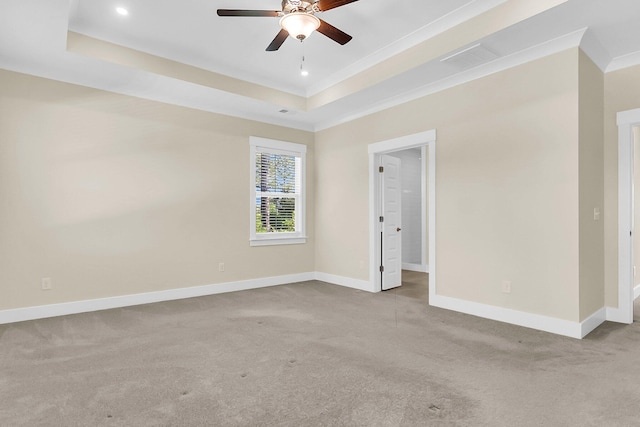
(189, 31)
(33, 40)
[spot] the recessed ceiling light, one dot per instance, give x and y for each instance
(122, 11)
(304, 73)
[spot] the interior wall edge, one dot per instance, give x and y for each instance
(591, 185)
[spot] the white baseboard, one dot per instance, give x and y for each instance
(636, 292)
(421, 268)
(617, 315)
(534, 321)
(75, 307)
(592, 322)
(63, 309)
(528, 320)
(362, 285)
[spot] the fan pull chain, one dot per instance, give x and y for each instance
(303, 71)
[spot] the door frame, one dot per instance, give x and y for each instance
(626, 121)
(425, 139)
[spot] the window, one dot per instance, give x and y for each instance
(277, 192)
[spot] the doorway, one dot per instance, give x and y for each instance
(636, 212)
(628, 291)
(425, 142)
(414, 182)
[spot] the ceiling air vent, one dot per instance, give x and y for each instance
(470, 57)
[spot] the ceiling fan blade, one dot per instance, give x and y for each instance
(333, 33)
(324, 5)
(277, 42)
(236, 12)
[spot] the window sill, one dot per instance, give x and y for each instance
(272, 241)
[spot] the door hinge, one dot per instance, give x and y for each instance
(382, 269)
(381, 219)
(381, 169)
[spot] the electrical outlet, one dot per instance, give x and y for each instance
(506, 287)
(221, 266)
(47, 283)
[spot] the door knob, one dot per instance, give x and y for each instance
(398, 229)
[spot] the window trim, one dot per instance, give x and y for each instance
(258, 144)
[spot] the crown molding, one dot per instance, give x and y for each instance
(446, 22)
(624, 61)
(542, 50)
(595, 50)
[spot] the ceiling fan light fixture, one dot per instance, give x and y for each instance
(299, 25)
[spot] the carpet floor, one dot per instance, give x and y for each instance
(312, 354)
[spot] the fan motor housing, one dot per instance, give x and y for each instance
(289, 6)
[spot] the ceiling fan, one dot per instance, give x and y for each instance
(298, 19)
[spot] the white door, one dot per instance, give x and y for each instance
(391, 223)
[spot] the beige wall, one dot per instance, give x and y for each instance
(591, 97)
(622, 92)
(507, 187)
(112, 195)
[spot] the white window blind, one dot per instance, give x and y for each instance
(277, 192)
(277, 199)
